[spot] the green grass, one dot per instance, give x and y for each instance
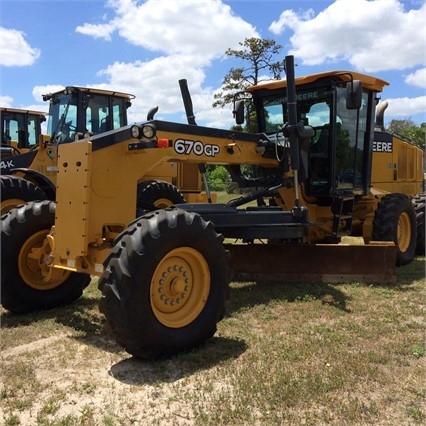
(285, 354)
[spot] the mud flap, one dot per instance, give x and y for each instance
(331, 263)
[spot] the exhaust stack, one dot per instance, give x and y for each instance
(380, 113)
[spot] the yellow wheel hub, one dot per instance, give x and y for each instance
(404, 232)
(33, 264)
(162, 203)
(9, 204)
(180, 287)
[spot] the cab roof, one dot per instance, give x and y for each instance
(23, 111)
(90, 90)
(368, 81)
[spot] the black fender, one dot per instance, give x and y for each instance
(17, 161)
(38, 179)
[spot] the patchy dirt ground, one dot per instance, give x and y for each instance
(301, 354)
(92, 381)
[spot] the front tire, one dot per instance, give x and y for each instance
(419, 204)
(157, 194)
(395, 220)
(165, 284)
(26, 283)
(16, 190)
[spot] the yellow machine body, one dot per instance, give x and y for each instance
(397, 166)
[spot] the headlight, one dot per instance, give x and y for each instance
(146, 131)
(135, 131)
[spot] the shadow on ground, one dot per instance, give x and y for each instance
(214, 351)
(256, 293)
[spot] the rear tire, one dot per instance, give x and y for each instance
(419, 203)
(395, 220)
(156, 194)
(165, 284)
(25, 286)
(16, 190)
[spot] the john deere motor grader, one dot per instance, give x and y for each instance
(164, 276)
(75, 113)
(364, 178)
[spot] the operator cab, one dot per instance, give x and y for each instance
(20, 130)
(340, 107)
(78, 112)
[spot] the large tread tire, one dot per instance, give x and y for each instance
(16, 190)
(157, 194)
(161, 250)
(23, 288)
(419, 203)
(395, 220)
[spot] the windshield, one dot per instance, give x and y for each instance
(84, 112)
(313, 108)
(21, 127)
(335, 158)
(351, 138)
(62, 117)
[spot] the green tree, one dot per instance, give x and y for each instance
(259, 55)
(408, 129)
(218, 177)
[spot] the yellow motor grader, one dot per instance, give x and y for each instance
(164, 275)
(75, 113)
(368, 177)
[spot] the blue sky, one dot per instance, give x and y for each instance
(145, 47)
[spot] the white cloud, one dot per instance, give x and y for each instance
(6, 101)
(417, 78)
(186, 33)
(39, 91)
(102, 31)
(371, 35)
(15, 50)
(290, 19)
(190, 26)
(407, 107)
(152, 87)
(37, 107)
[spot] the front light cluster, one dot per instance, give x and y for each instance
(142, 131)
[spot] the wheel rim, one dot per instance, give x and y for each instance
(9, 204)
(33, 267)
(180, 287)
(162, 203)
(404, 232)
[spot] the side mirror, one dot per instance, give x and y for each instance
(239, 112)
(353, 94)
